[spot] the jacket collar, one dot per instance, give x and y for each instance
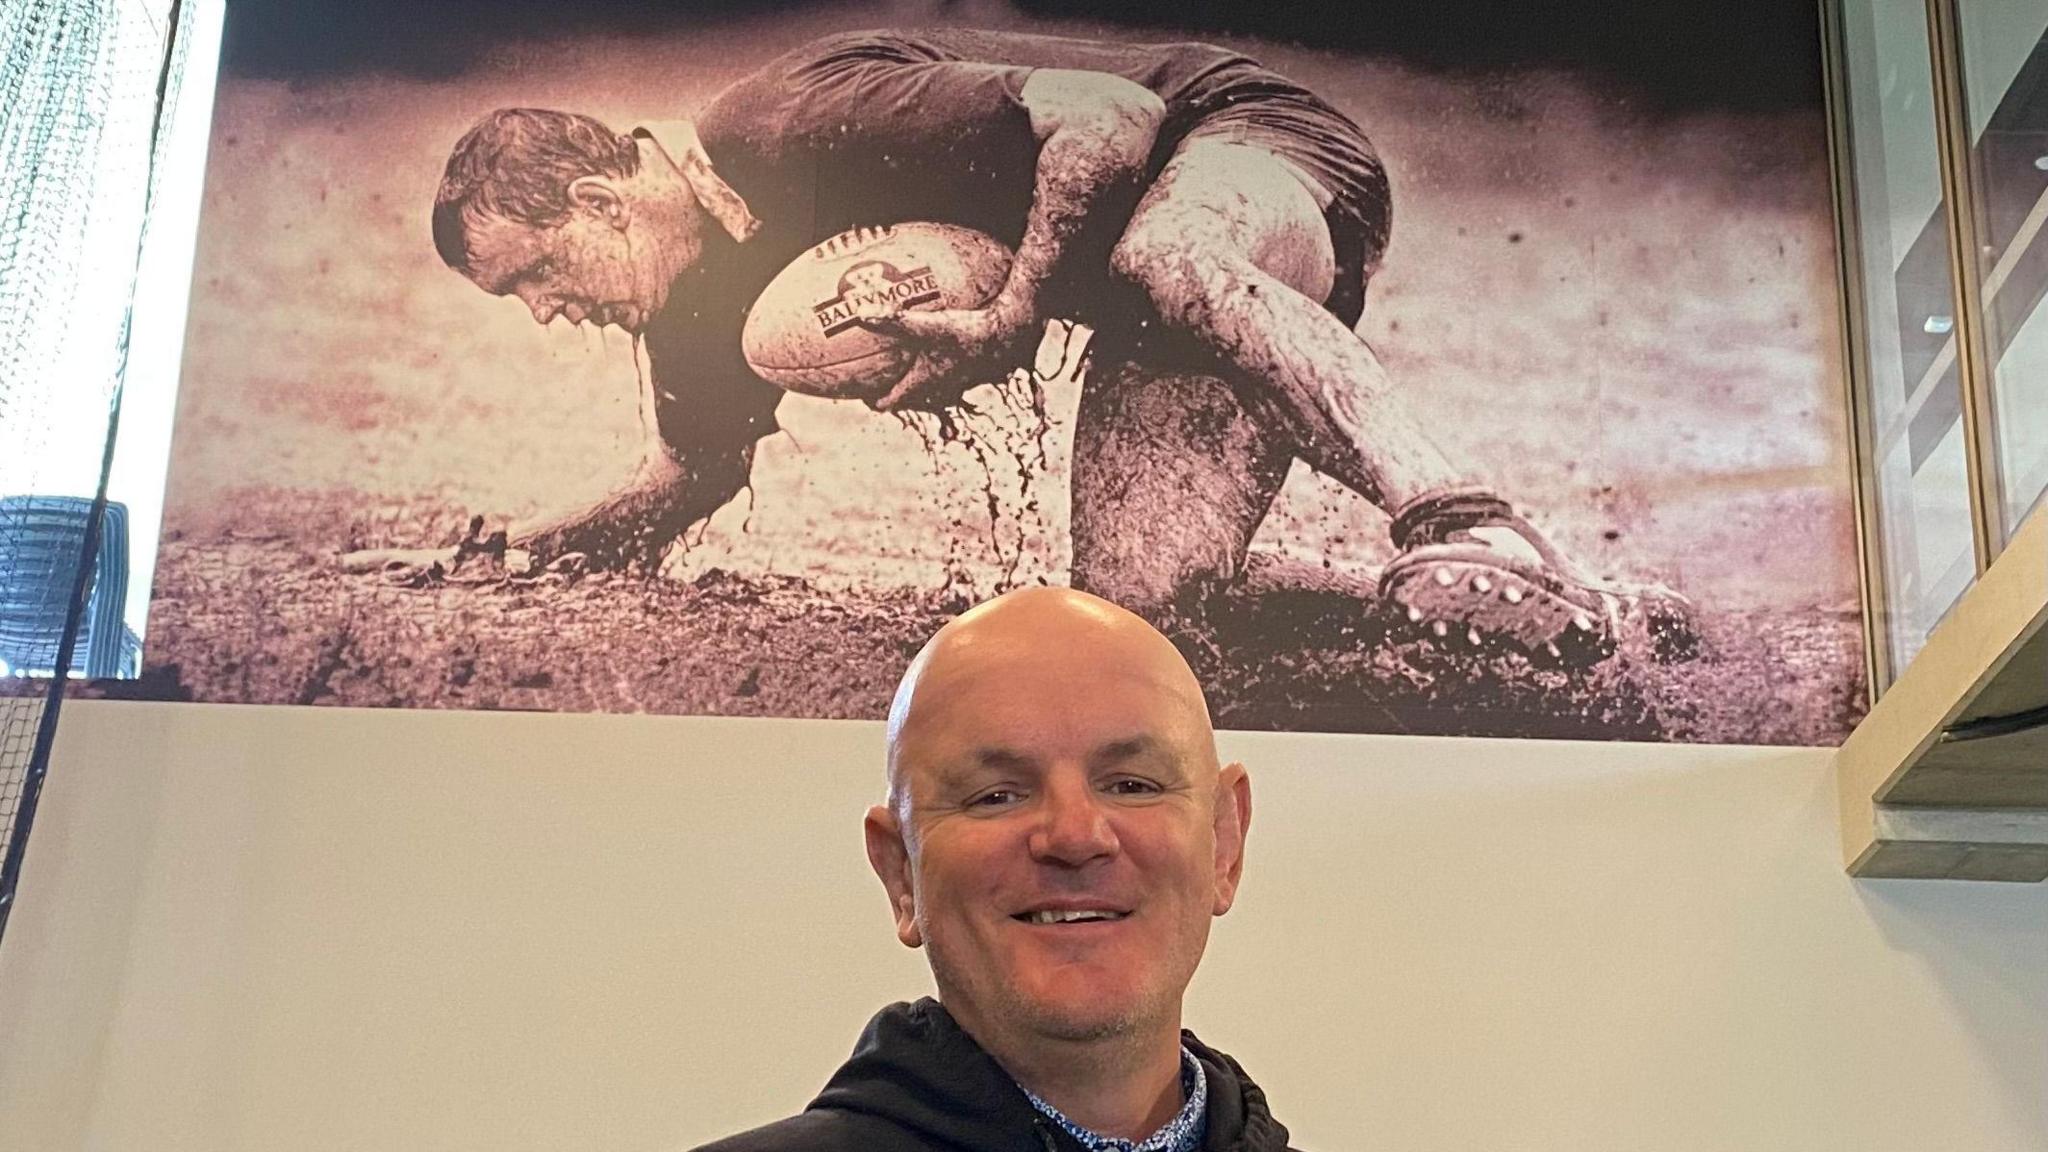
(915, 1068)
(678, 140)
(1182, 1133)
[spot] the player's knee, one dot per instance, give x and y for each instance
(1168, 271)
(1132, 256)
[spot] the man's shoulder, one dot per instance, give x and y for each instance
(758, 113)
(897, 44)
(820, 1130)
(817, 59)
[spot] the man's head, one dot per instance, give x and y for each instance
(572, 218)
(1050, 757)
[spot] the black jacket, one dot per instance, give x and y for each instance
(917, 1083)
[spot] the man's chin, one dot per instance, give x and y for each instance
(1073, 1004)
(629, 318)
(1072, 1017)
(1080, 1024)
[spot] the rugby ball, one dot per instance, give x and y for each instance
(805, 334)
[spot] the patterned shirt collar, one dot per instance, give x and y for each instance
(1183, 1133)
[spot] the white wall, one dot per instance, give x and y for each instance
(249, 928)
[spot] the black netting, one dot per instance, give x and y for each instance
(83, 88)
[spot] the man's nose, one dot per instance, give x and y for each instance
(1073, 826)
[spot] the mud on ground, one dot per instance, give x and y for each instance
(264, 614)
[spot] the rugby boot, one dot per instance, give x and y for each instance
(1473, 574)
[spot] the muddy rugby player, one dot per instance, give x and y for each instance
(1214, 222)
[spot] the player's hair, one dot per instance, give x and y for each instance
(518, 163)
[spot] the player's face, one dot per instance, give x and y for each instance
(588, 267)
(1066, 848)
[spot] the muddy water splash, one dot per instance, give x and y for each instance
(1006, 439)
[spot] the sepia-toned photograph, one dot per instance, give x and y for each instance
(705, 358)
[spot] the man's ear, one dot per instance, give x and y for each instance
(1233, 821)
(889, 856)
(599, 196)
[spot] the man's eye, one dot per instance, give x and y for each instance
(1131, 786)
(995, 798)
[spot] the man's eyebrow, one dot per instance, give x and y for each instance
(996, 758)
(1001, 759)
(970, 769)
(1129, 748)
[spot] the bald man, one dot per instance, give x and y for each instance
(1057, 835)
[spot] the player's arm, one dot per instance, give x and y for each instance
(709, 423)
(628, 529)
(1095, 134)
(675, 488)
(634, 525)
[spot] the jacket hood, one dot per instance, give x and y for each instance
(914, 1067)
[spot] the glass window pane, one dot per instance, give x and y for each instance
(88, 294)
(2005, 83)
(1912, 391)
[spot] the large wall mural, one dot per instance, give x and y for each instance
(1452, 370)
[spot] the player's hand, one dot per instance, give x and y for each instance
(403, 566)
(479, 556)
(956, 350)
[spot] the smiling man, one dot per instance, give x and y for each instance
(1057, 836)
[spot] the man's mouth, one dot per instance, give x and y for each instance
(1069, 916)
(626, 316)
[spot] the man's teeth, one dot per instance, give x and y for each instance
(1072, 917)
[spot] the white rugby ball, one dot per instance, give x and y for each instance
(804, 333)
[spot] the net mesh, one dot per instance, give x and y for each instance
(82, 83)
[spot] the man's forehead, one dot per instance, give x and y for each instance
(975, 759)
(1035, 701)
(1056, 668)
(1052, 671)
